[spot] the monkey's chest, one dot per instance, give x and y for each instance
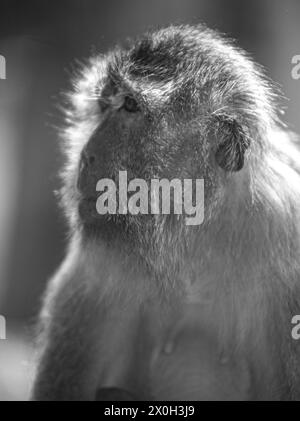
(188, 364)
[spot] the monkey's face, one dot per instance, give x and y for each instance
(172, 106)
(148, 141)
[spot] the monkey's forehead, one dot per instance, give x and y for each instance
(171, 52)
(180, 52)
(181, 60)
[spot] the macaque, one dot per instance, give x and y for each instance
(147, 307)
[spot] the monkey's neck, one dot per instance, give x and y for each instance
(251, 248)
(256, 230)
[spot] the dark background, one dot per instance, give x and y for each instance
(41, 41)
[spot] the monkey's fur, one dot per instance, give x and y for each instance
(145, 303)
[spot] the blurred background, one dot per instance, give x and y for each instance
(41, 41)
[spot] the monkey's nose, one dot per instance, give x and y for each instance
(86, 170)
(91, 160)
(87, 159)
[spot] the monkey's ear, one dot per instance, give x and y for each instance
(232, 144)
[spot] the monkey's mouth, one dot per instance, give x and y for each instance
(108, 223)
(110, 227)
(87, 208)
(88, 213)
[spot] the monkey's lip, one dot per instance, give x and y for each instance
(87, 207)
(88, 199)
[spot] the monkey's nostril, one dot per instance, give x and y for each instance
(91, 160)
(87, 159)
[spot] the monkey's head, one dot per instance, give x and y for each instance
(181, 103)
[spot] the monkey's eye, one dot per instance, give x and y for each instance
(130, 105)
